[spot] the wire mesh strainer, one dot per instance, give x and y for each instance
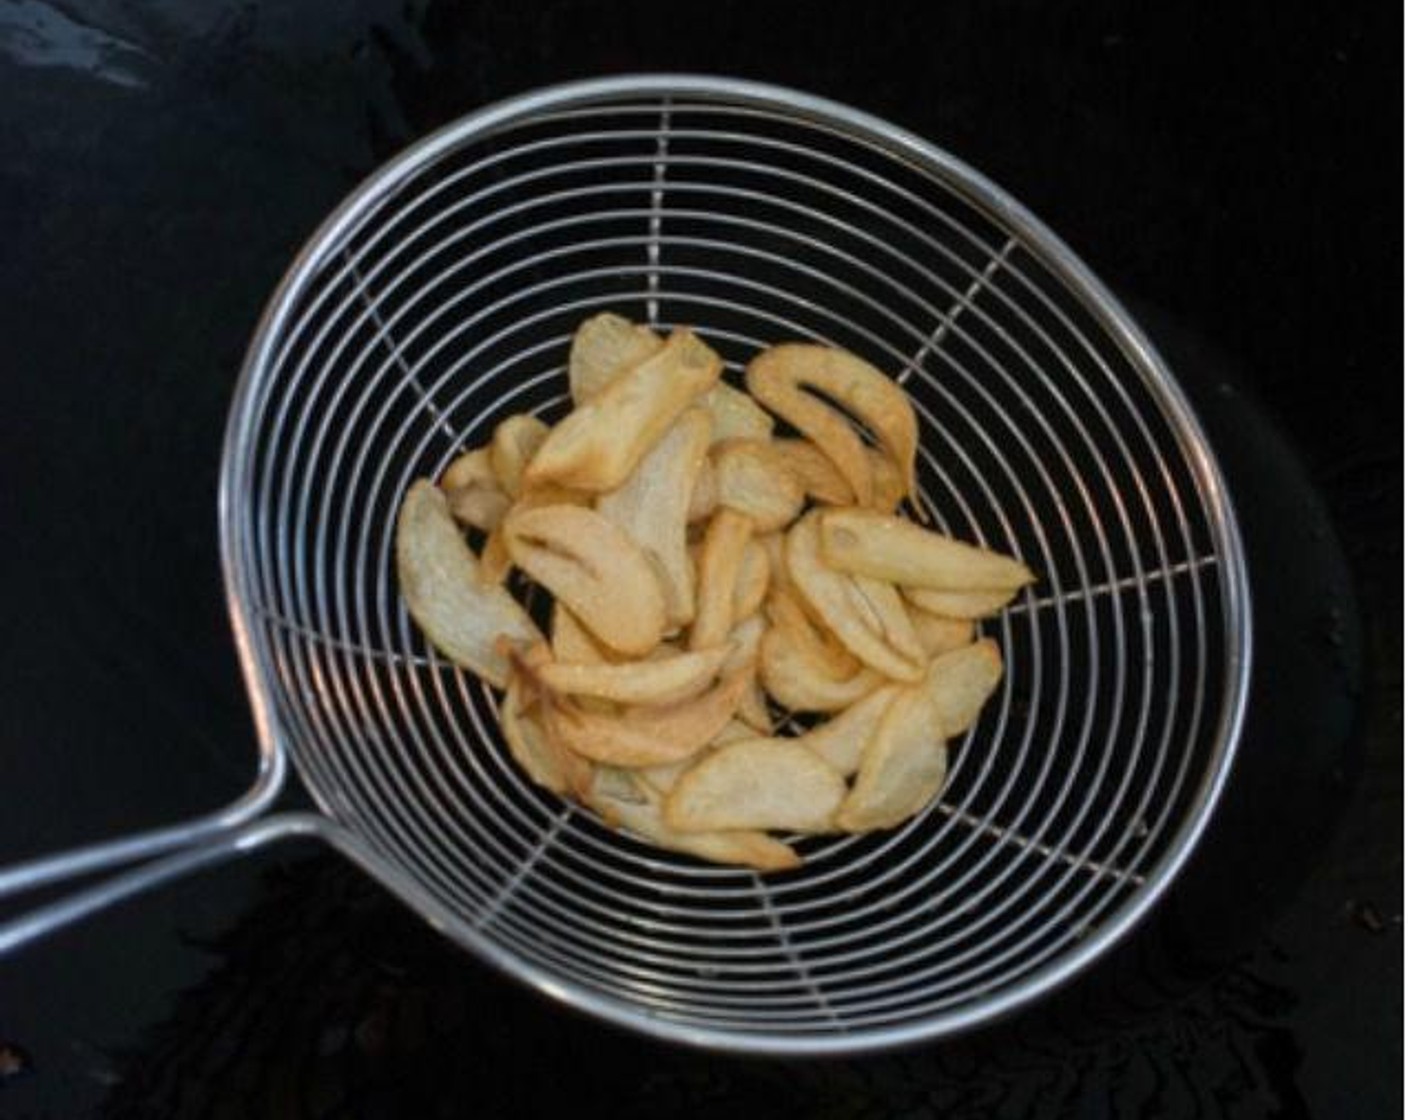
(440, 299)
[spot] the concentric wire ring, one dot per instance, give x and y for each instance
(440, 299)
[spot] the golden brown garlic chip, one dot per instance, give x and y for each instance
(604, 347)
(861, 614)
(624, 801)
(756, 783)
(598, 572)
(890, 548)
(652, 506)
(780, 377)
(439, 578)
(599, 443)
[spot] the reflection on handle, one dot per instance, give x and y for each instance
(144, 845)
(235, 842)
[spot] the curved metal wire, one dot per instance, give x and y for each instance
(440, 299)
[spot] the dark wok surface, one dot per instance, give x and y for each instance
(1236, 176)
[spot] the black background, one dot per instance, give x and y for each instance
(1236, 169)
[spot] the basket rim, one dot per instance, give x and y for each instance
(1109, 313)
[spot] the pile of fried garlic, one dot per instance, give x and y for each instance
(705, 573)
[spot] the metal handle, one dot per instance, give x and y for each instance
(199, 841)
(27, 876)
(235, 842)
(46, 919)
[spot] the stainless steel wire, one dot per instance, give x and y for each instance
(836, 948)
(441, 298)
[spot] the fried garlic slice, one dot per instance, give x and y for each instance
(647, 736)
(756, 784)
(603, 348)
(749, 478)
(590, 565)
(786, 378)
(624, 801)
(902, 767)
(600, 442)
(865, 616)
(868, 543)
(463, 616)
(652, 506)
